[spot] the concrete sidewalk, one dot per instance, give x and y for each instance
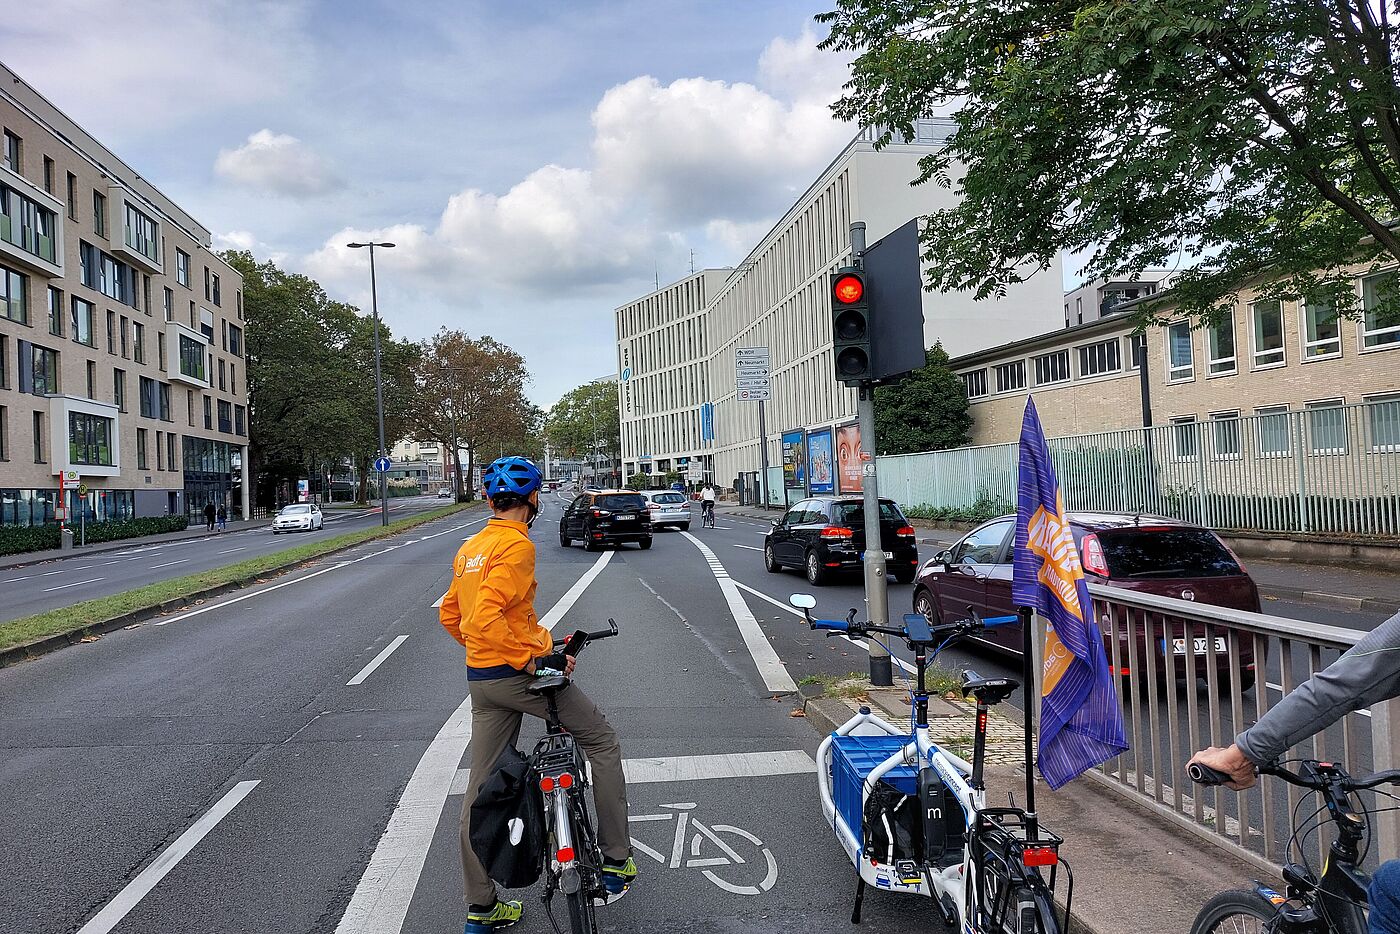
(56, 554)
(1133, 872)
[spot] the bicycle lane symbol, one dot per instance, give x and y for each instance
(754, 858)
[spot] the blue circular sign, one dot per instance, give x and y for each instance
(382, 464)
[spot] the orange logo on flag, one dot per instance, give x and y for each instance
(1049, 537)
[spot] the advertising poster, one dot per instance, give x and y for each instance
(794, 461)
(821, 465)
(848, 457)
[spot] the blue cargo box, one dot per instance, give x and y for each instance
(855, 757)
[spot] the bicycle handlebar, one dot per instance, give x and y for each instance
(973, 624)
(1205, 775)
(588, 637)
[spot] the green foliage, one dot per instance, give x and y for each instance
(1235, 139)
(585, 422)
(925, 411)
(983, 508)
(638, 481)
(19, 539)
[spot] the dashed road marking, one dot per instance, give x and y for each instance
(748, 547)
(375, 662)
(74, 584)
(168, 564)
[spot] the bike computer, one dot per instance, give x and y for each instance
(916, 628)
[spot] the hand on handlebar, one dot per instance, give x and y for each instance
(1230, 762)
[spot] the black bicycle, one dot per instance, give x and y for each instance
(707, 514)
(573, 859)
(1330, 902)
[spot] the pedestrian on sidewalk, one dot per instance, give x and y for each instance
(223, 517)
(209, 515)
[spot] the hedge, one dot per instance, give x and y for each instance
(18, 539)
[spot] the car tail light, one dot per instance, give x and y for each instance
(906, 532)
(837, 531)
(1094, 561)
(600, 513)
(653, 505)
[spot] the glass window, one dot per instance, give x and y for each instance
(99, 213)
(225, 416)
(235, 343)
(72, 196)
(27, 224)
(1051, 367)
(89, 439)
(1220, 340)
(975, 383)
(216, 294)
(141, 462)
(1166, 552)
(1380, 320)
(1011, 376)
(1225, 429)
(82, 322)
(182, 268)
(1322, 336)
(982, 546)
(119, 389)
(48, 174)
(1137, 350)
(139, 342)
(163, 399)
(125, 333)
(208, 413)
(240, 420)
(111, 332)
(1268, 333)
(141, 235)
(169, 304)
(191, 357)
(1180, 364)
(38, 369)
(1184, 437)
(223, 383)
(91, 380)
(87, 254)
(116, 280)
(1327, 427)
(1383, 421)
(1275, 431)
(171, 462)
(14, 153)
(160, 443)
(55, 312)
(4, 362)
(149, 397)
(1100, 358)
(4, 440)
(39, 437)
(14, 302)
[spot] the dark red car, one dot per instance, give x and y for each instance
(1151, 554)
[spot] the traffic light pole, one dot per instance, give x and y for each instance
(876, 573)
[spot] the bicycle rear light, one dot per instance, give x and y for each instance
(1039, 856)
(565, 854)
(546, 784)
(566, 780)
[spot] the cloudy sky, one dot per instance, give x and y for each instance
(538, 163)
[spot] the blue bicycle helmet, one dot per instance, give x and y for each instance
(517, 475)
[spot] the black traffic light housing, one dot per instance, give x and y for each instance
(851, 326)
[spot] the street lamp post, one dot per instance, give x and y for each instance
(378, 376)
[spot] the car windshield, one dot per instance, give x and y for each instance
(295, 510)
(852, 515)
(621, 501)
(668, 498)
(1166, 552)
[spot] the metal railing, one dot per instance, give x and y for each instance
(1193, 676)
(1329, 469)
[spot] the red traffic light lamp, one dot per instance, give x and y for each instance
(848, 289)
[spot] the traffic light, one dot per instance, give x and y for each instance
(851, 331)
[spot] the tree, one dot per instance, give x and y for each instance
(926, 411)
(585, 422)
(1249, 140)
(471, 394)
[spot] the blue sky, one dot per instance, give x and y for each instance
(538, 163)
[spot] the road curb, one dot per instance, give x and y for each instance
(48, 644)
(1322, 598)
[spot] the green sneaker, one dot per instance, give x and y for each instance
(502, 915)
(616, 878)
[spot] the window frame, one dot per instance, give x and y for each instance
(1080, 354)
(1218, 421)
(1315, 406)
(967, 384)
(1050, 359)
(1254, 352)
(1277, 410)
(1376, 401)
(1009, 367)
(1187, 372)
(1212, 361)
(1178, 423)
(182, 267)
(1307, 344)
(1365, 333)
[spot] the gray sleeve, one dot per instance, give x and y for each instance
(1367, 674)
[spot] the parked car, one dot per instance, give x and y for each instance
(667, 507)
(444, 493)
(1146, 553)
(298, 517)
(825, 535)
(606, 517)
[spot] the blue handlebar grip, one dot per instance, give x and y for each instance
(999, 620)
(837, 625)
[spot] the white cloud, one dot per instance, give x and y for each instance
(279, 164)
(799, 71)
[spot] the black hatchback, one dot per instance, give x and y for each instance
(606, 517)
(826, 534)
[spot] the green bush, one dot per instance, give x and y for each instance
(18, 539)
(986, 507)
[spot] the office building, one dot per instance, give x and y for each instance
(121, 334)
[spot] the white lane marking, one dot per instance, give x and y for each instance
(748, 547)
(859, 643)
(375, 662)
(15, 580)
(168, 564)
(381, 900)
(74, 584)
(697, 768)
(114, 911)
(770, 667)
(438, 601)
(231, 550)
(49, 573)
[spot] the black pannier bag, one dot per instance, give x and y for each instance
(507, 822)
(893, 830)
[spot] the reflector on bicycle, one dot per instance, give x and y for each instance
(566, 780)
(1039, 856)
(565, 855)
(546, 784)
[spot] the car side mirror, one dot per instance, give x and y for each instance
(776, 522)
(943, 558)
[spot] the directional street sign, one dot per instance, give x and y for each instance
(750, 353)
(751, 373)
(745, 370)
(754, 395)
(382, 464)
(751, 382)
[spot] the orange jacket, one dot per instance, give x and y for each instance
(490, 606)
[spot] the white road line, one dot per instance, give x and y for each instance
(168, 564)
(438, 601)
(74, 584)
(375, 662)
(748, 547)
(770, 667)
(697, 768)
(859, 643)
(114, 911)
(381, 900)
(50, 573)
(15, 580)
(231, 550)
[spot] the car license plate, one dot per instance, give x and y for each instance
(625, 518)
(1198, 643)
(889, 556)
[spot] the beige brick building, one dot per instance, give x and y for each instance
(121, 334)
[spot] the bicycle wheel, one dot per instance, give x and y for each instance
(1240, 911)
(581, 920)
(1015, 906)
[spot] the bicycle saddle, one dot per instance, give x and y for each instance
(988, 690)
(547, 684)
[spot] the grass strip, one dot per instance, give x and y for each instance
(80, 616)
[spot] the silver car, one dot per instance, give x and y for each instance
(298, 517)
(667, 507)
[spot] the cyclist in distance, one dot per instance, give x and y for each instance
(1367, 674)
(707, 502)
(489, 609)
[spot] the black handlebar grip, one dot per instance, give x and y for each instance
(1205, 775)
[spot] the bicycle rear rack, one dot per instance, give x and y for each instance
(1000, 836)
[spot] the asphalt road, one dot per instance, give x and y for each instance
(36, 588)
(288, 759)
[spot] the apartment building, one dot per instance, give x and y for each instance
(424, 461)
(1269, 358)
(121, 334)
(777, 298)
(1102, 297)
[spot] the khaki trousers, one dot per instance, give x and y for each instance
(497, 709)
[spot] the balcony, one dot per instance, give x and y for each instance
(84, 437)
(186, 355)
(135, 232)
(31, 229)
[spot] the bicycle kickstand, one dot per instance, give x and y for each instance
(860, 896)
